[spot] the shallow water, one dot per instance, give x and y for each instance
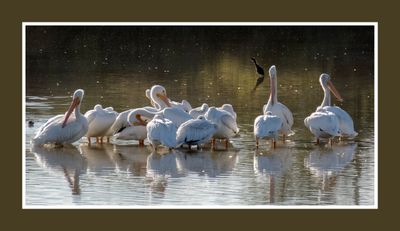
(297, 172)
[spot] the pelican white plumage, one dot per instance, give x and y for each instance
(226, 124)
(346, 124)
(267, 127)
(64, 129)
(99, 121)
(229, 108)
(137, 120)
(184, 105)
(278, 108)
(195, 132)
(161, 131)
(196, 112)
(176, 115)
(323, 124)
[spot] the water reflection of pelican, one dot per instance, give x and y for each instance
(132, 158)
(68, 160)
(160, 168)
(327, 162)
(100, 157)
(208, 163)
(273, 164)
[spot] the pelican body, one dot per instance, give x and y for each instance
(267, 127)
(277, 108)
(195, 132)
(226, 124)
(64, 129)
(99, 121)
(325, 123)
(136, 130)
(161, 131)
(198, 111)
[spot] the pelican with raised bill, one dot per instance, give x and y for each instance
(64, 129)
(346, 124)
(277, 108)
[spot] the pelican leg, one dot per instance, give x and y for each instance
(283, 138)
(256, 143)
(101, 140)
(317, 140)
(108, 139)
(274, 144)
(226, 143)
(97, 139)
(89, 141)
(213, 144)
(330, 141)
(190, 147)
(198, 147)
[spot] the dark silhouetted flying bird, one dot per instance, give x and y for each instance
(260, 72)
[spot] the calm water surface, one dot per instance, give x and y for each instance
(297, 172)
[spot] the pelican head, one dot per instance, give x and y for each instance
(159, 92)
(139, 117)
(272, 71)
(325, 81)
(76, 100)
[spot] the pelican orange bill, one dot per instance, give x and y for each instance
(71, 108)
(334, 91)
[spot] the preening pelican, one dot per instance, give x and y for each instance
(63, 129)
(196, 112)
(159, 97)
(323, 124)
(226, 124)
(346, 125)
(137, 120)
(195, 132)
(267, 127)
(99, 121)
(278, 108)
(161, 131)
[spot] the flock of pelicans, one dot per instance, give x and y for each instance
(174, 124)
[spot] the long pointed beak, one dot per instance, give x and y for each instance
(165, 99)
(334, 91)
(272, 87)
(141, 121)
(71, 108)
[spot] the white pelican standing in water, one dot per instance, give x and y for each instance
(137, 119)
(323, 124)
(277, 108)
(64, 129)
(195, 132)
(267, 127)
(346, 125)
(161, 131)
(226, 124)
(99, 121)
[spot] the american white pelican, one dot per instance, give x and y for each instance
(226, 124)
(323, 124)
(63, 129)
(161, 131)
(137, 120)
(195, 112)
(159, 97)
(278, 108)
(195, 132)
(99, 121)
(267, 127)
(345, 121)
(176, 115)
